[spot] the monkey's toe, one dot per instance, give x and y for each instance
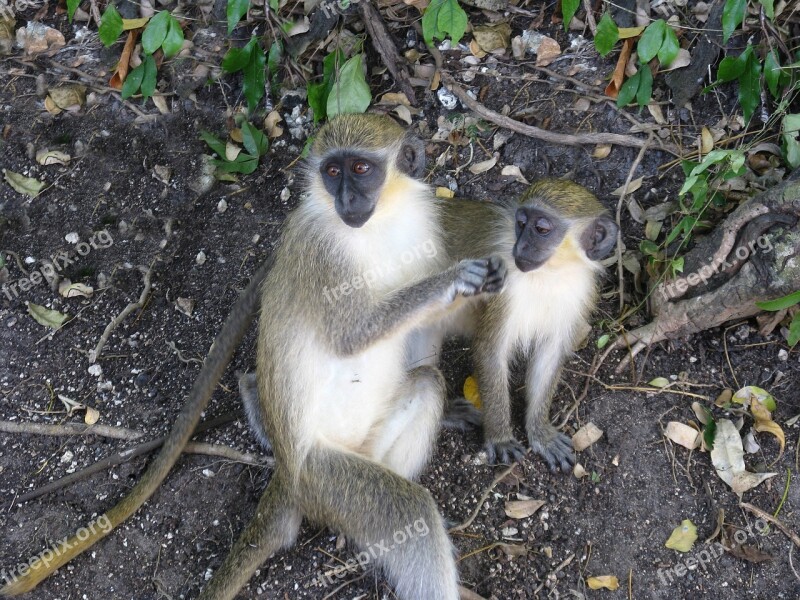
(461, 415)
(558, 453)
(505, 453)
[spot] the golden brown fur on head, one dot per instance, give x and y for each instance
(362, 131)
(568, 198)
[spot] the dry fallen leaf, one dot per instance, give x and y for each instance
(601, 151)
(608, 582)
(92, 416)
(483, 166)
(764, 423)
(471, 392)
(492, 36)
(52, 157)
(392, 98)
(515, 172)
(683, 537)
(443, 192)
(74, 290)
(522, 509)
(618, 77)
(683, 435)
(586, 436)
(513, 550)
(46, 316)
(632, 187)
(124, 62)
(684, 59)
(24, 185)
(727, 457)
(706, 141)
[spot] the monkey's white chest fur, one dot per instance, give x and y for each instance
(548, 304)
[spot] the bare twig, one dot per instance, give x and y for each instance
(770, 519)
(117, 433)
(148, 275)
(467, 594)
(542, 134)
(587, 5)
(485, 495)
(384, 45)
(143, 448)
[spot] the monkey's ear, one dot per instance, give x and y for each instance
(411, 159)
(599, 238)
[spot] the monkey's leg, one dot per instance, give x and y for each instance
(394, 521)
(544, 368)
(491, 368)
(407, 435)
(248, 390)
(273, 527)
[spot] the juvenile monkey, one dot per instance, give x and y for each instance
(351, 399)
(552, 239)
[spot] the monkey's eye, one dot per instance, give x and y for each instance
(542, 226)
(360, 167)
(333, 171)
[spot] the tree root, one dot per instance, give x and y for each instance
(753, 256)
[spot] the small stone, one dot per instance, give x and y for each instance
(200, 259)
(67, 457)
(72, 237)
(96, 370)
(783, 354)
(222, 206)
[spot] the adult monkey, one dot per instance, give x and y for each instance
(552, 237)
(350, 415)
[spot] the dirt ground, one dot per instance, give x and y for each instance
(614, 522)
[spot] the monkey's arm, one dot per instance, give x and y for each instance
(540, 385)
(219, 356)
(408, 305)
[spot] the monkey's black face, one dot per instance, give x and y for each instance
(538, 235)
(355, 182)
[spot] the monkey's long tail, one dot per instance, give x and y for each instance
(225, 344)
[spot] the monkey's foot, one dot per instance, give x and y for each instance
(462, 415)
(504, 453)
(554, 447)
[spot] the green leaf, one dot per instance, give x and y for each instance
(772, 73)
(133, 82)
(350, 92)
(750, 84)
(317, 99)
(275, 5)
(709, 433)
(669, 47)
(730, 68)
(274, 58)
(155, 32)
(254, 77)
(780, 303)
(255, 142)
(794, 331)
(732, 17)
(603, 340)
(235, 11)
(607, 35)
(659, 382)
(645, 90)
(648, 248)
(236, 59)
(216, 144)
(47, 316)
(453, 20)
(72, 6)
(149, 77)
(651, 40)
(628, 90)
(244, 163)
(430, 19)
(683, 537)
(769, 8)
(568, 10)
(173, 42)
(110, 26)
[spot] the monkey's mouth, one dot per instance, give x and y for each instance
(525, 265)
(356, 220)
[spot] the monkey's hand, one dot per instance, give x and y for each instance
(462, 415)
(478, 276)
(504, 453)
(553, 446)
